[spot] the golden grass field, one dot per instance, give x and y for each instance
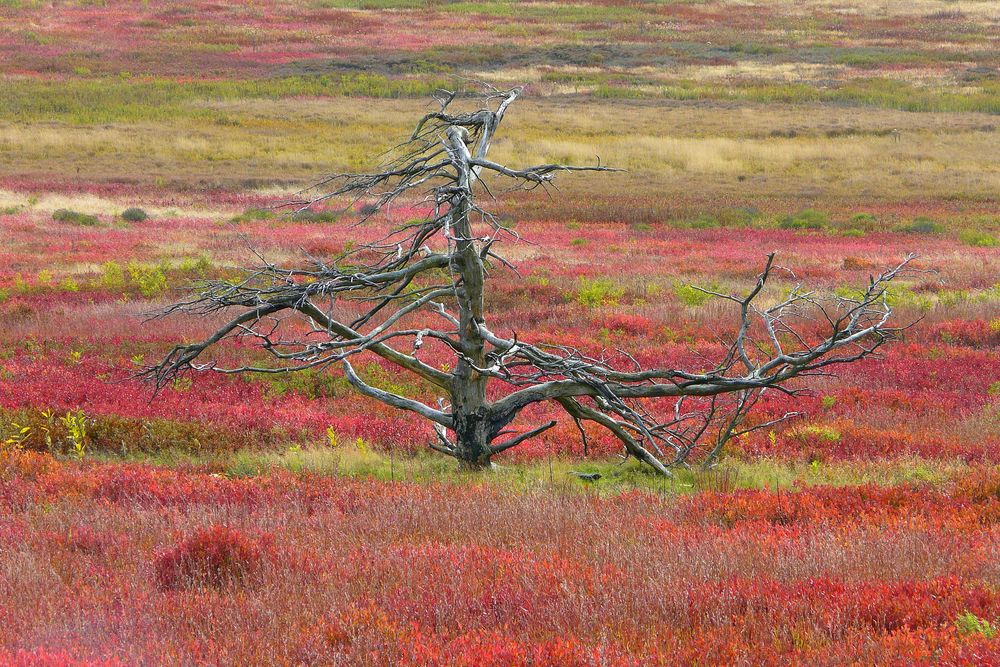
(798, 155)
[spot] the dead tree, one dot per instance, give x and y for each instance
(440, 265)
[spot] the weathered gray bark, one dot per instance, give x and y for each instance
(472, 423)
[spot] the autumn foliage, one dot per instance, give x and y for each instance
(416, 574)
(864, 532)
(214, 556)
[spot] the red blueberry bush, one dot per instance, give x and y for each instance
(217, 556)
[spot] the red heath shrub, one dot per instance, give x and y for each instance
(216, 556)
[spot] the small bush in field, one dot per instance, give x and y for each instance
(922, 225)
(75, 217)
(134, 214)
(807, 219)
(818, 431)
(315, 216)
(151, 280)
(598, 292)
(691, 296)
(254, 214)
(704, 222)
(216, 556)
(112, 276)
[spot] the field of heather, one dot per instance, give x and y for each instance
(263, 518)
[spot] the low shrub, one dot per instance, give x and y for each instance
(598, 292)
(968, 623)
(75, 217)
(704, 222)
(151, 280)
(253, 214)
(922, 225)
(134, 214)
(690, 295)
(112, 276)
(315, 216)
(806, 219)
(744, 216)
(217, 556)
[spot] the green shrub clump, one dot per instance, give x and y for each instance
(598, 292)
(807, 219)
(134, 214)
(253, 215)
(75, 217)
(151, 280)
(690, 295)
(922, 225)
(315, 216)
(112, 276)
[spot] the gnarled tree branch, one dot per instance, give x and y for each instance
(378, 298)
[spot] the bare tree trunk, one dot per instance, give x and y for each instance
(472, 438)
(469, 407)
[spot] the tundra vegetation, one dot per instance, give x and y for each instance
(286, 518)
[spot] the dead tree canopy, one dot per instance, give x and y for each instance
(436, 270)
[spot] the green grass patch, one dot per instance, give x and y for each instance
(978, 239)
(75, 217)
(113, 99)
(362, 460)
(874, 92)
(922, 225)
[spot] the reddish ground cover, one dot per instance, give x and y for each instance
(144, 565)
(75, 299)
(114, 563)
